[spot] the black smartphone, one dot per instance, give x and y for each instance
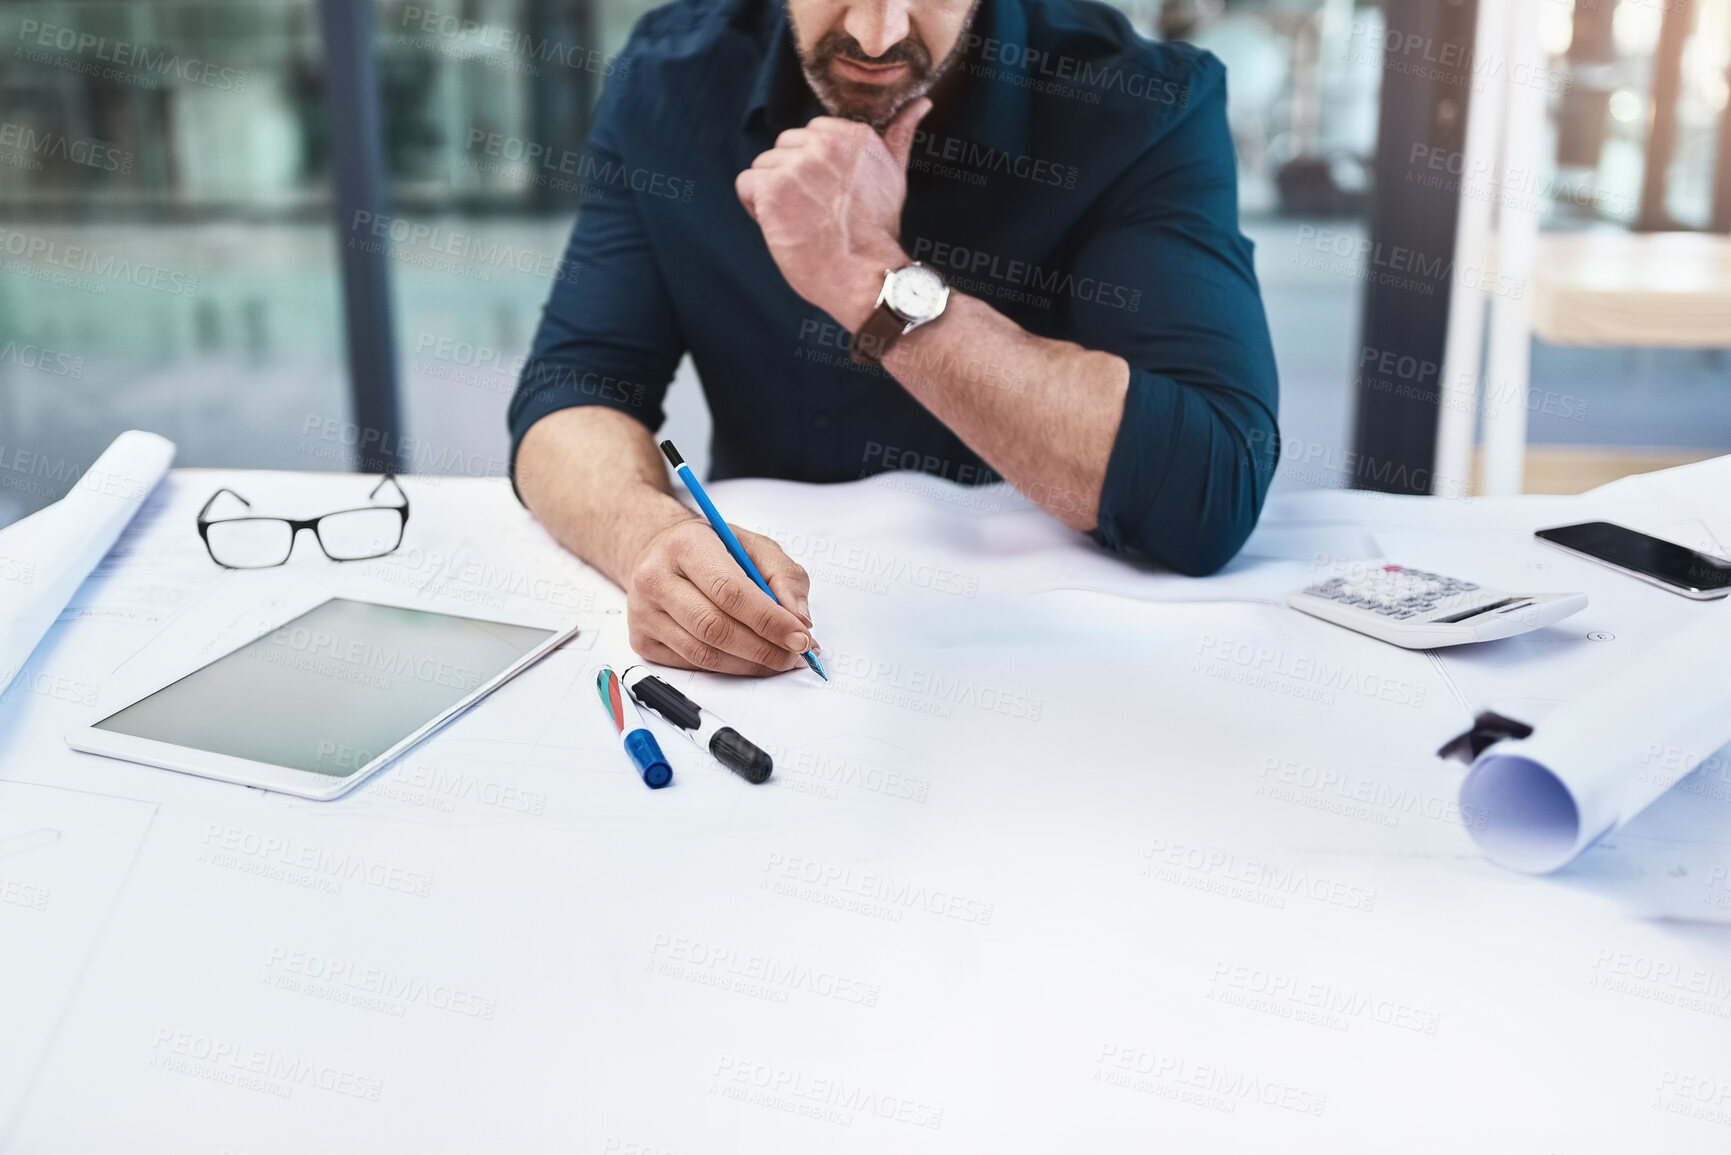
(1663, 563)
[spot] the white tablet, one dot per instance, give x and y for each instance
(320, 703)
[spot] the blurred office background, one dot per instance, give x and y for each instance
(170, 255)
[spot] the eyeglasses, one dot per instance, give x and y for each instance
(263, 542)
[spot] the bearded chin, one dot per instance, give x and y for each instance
(861, 102)
(871, 104)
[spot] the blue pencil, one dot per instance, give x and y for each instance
(693, 487)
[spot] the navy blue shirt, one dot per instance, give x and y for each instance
(1075, 176)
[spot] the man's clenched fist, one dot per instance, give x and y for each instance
(828, 198)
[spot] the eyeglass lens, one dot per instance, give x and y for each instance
(250, 542)
(360, 533)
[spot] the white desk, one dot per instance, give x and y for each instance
(1069, 856)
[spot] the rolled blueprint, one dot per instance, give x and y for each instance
(50, 553)
(1595, 762)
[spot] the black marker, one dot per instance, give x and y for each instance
(703, 727)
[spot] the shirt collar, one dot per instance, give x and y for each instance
(780, 92)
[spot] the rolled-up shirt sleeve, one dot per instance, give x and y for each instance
(608, 334)
(1197, 444)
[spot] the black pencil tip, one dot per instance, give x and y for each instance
(672, 454)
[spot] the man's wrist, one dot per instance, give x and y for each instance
(647, 513)
(865, 281)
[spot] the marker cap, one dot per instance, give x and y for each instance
(647, 757)
(740, 756)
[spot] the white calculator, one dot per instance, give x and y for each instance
(1419, 610)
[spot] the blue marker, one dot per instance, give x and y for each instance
(640, 745)
(726, 535)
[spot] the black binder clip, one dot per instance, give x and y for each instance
(1488, 729)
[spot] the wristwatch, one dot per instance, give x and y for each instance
(913, 295)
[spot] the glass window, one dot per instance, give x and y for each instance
(486, 105)
(166, 253)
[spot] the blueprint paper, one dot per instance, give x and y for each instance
(51, 552)
(64, 857)
(1070, 852)
(1597, 760)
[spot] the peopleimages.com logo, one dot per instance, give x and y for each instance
(123, 60)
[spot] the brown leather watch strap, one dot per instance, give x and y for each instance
(881, 330)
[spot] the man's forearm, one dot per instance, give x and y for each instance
(595, 479)
(829, 199)
(1043, 413)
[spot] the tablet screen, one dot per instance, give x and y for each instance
(331, 690)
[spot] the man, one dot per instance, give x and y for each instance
(762, 174)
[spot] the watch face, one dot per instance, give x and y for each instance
(917, 293)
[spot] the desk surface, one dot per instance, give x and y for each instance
(1068, 854)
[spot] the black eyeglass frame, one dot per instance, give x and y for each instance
(312, 523)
